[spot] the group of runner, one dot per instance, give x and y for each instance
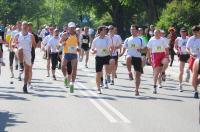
(64, 49)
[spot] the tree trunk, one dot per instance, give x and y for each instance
(152, 11)
(117, 14)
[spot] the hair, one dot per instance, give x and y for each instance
(195, 28)
(156, 30)
(18, 22)
(30, 24)
(99, 29)
(135, 26)
(25, 22)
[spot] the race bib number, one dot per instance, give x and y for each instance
(159, 49)
(85, 41)
(183, 49)
(104, 52)
(133, 46)
(72, 49)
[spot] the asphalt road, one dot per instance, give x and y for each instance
(50, 107)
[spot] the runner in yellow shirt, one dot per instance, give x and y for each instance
(71, 46)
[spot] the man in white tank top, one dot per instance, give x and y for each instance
(25, 41)
(180, 48)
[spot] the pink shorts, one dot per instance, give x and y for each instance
(157, 59)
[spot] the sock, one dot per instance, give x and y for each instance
(101, 79)
(21, 65)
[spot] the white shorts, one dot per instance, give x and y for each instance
(27, 57)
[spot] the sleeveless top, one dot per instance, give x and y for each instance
(25, 41)
(71, 44)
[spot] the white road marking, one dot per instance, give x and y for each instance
(110, 107)
(100, 108)
(97, 105)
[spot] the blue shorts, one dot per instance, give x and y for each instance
(70, 57)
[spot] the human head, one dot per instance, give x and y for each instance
(157, 33)
(196, 30)
(134, 30)
(24, 26)
(101, 30)
(71, 27)
(56, 32)
(183, 32)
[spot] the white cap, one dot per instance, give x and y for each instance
(77, 29)
(71, 24)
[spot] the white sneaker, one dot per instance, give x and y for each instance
(159, 85)
(155, 91)
(180, 88)
(12, 75)
(99, 91)
(106, 85)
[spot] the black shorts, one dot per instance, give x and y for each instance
(184, 58)
(100, 61)
(114, 57)
(137, 64)
(54, 60)
(33, 55)
(85, 47)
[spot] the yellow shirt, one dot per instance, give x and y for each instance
(71, 45)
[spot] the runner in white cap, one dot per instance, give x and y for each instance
(70, 41)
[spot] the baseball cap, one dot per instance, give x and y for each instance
(183, 29)
(71, 24)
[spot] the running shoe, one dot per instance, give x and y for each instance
(154, 89)
(163, 77)
(54, 77)
(130, 76)
(108, 78)
(66, 82)
(112, 82)
(25, 89)
(196, 95)
(99, 91)
(180, 88)
(71, 88)
(106, 84)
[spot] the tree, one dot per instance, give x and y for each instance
(179, 14)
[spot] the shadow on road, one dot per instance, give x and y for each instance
(8, 119)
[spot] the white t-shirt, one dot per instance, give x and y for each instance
(194, 45)
(157, 45)
(134, 46)
(53, 43)
(182, 45)
(102, 46)
(115, 41)
(46, 40)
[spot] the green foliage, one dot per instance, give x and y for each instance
(179, 14)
